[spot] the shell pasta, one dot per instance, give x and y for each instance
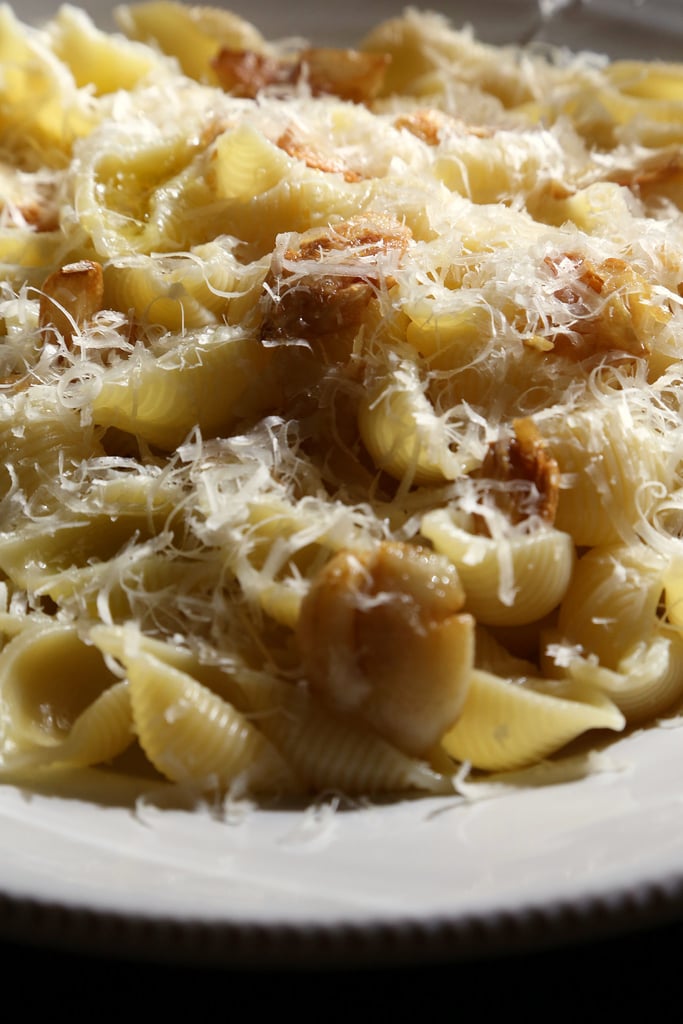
(341, 404)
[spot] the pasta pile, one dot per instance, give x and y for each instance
(340, 406)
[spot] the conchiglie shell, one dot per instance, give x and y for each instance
(494, 168)
(37, 93)
(608, 114)
(611, 602)
(136, 577)
(193, 736)
(99, 60)
(193, 34)
(246, 163)
(647, 681)
(146, 290)
(146, 497)
(208, 380)
(48, 677)
(35, 557)
(127, 643)
(504, 725)
(591, 209)
(606, 466)
(328, 751)
(38, 439)
(99, 734)
(140, 187)
(403, 434)
(25, 253)
(673, 591)
(264, 193)
(509, 582)
(185, 291)
(460, 334)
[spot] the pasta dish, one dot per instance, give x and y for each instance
(340, 408)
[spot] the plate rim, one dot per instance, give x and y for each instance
(194, 941)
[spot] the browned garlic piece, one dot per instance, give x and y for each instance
(347, 74)
(322, 283)
(527, 475)
(383, 639)
(70, 297)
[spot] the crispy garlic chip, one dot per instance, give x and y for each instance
(347, 74)
(323, 281)
(70, 297)
(526, 475)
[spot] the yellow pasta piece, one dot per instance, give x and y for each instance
(334, 752)
(509, 581)
(49, 677)
(646, 682)
(265, 193)
(38, 96)
(404, 435)
(608, 469)
(504, 726)
(185, 291)
(192, 34)
(39, 440)
(611, 603)
(194, 737)
(101, 732)
(210, 379)
(100, 59)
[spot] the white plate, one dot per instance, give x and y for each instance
(411, 878)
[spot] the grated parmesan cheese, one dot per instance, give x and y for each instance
(323, 375)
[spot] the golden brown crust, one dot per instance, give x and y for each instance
(347, 74)
(330, 296)
(70, 297)
(523, 458)
(612, 304)
(313, 158)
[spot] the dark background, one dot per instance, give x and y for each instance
(634, 970)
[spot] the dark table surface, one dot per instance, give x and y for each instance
(630, 970)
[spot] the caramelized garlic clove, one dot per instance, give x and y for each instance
(383, 640)
(70, 297)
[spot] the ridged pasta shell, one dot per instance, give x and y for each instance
(403, 434)
(647, 681)
(265, 192)
(330, 752)
(506, 725)
(37, 437)
(127, 643)
(509, 582)
(100, 733)
(193, 736)
(246, 163)
(193, 34)
(100, 60)
(209, 380)
(48, 677)
(184, 291)
(39, 93)
(611, 602)
(607, 466)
